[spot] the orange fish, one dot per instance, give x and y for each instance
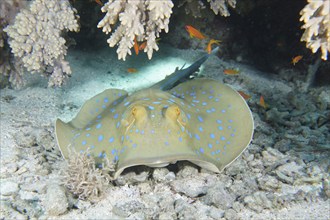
(99, 2)
(296, 59)
(193, 32)
(209, 45)
(132, 70)
(143, 45)
(231, 72)
(244, 95)
(262, 102)
(136, 46)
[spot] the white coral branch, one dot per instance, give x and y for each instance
(141, 19)
(317, 26)
(36, 37)
(220, 6)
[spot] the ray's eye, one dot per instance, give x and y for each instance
(139, 112)
(172, 112)
(134, 111)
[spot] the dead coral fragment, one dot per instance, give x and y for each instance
(83, 179)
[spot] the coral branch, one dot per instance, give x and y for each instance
(143, 19)
(36, 37)
(316, 16)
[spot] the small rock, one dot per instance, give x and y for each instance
(219, 197)
(269, 183)
(167, 216)
(7, 212)
(133, 177)
(56, 202)
(159, 174)
(8, 169)
(216, 213)
(258, 201)
(288, 172)
(187, 170)
(26, 195)
(191, 187)
(283, 145)
(127, 207)
(170, 176)
(238, 166)
(326, 186)
(8, 188)
(231, 214)
(284, 178)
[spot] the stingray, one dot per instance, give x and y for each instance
(200, 120)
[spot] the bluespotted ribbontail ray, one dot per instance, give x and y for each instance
(202, 121)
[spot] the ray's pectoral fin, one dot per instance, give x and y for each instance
(220, 123)
(96, 105)
(68, 135)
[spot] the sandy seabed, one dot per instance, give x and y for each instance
(283, 174)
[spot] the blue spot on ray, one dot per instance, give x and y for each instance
(111, 139)
(98, 126)
(212, 136)
(220, 128)
(200, 129)
(201, 150)
(219, 121)
(106, 100)
(200, 118)
(100, 137)
(210, 145)
(197, 137)
(83, 142)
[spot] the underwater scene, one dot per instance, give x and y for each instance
(165, 109)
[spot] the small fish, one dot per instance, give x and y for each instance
(136, 46)
(244, 95)
(99, 2)
(132, 70)
(209, 45)
(262, 102)
(193, 32)
(143, 45)
(231, 72)
(296, 59)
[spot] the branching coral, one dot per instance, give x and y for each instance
(316, 16)
(8, 66)
(140, 19)
(82, 177)
(36, 37)
(220, 6)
